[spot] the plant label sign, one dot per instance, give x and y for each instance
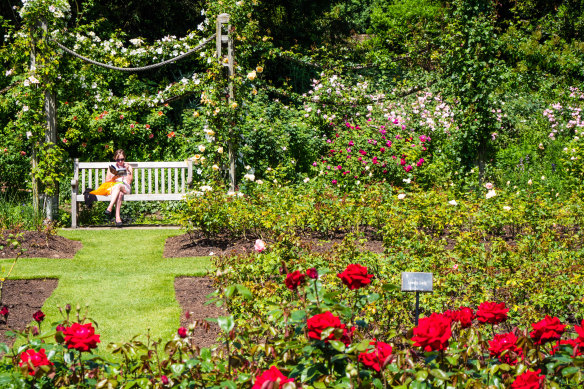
(416, 282)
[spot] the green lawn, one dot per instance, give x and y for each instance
(123, 279)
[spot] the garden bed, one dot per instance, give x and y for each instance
(23, 298)
(198, 245)
(37, 244)
(191, 294)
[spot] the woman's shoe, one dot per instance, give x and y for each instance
(108, 214)
(119, 224)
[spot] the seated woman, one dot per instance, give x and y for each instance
(123, 185)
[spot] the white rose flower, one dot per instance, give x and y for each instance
(507, 208)
(452, 202)
(491, 193)
(201, 148)
(401, 196)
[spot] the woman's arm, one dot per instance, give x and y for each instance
(109, 177)
(130, 175)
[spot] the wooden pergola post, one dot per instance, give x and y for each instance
(225, 38)
(50, 108)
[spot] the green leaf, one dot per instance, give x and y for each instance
(373, 297)
(337, 345)
(226, 323)
(244, 292)
(390, 287)
(421, 375)
(441, 375)
(229, 291)
(228, 384)
(298, 315)
(570, 371)
(177, 368)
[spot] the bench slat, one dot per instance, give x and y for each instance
(155, 180)
(140, 197)
(182, 176)
(139, 165)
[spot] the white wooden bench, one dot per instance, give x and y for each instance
(153, 181)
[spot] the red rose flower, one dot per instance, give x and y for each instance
(355, 276)
(529, 380)
(312, 273)
(378, 357)
(433, 333)
(164, 379)
(4, 311)
(271, 375)
(547, 330)
(32, 360)
(464, 316)
(492, 313)
(318, 323)
(38, 316)
(182, 332)
(577, 351)
(295, 279)
(81, 337)
(579, 341)
(504, 347)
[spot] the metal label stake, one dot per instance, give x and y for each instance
(416, 282)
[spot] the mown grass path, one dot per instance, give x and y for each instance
(123, 279)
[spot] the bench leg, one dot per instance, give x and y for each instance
(74, 208)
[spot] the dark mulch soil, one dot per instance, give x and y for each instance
(37, 244)
(197, 245)
(191, 294)
(23, 298)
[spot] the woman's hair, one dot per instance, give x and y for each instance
(119, 154)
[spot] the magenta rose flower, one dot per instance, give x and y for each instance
(182, 332)
(33, 359)
(38, 316)
(433, 333)
(378, 357)
(295, 279)
(355, 276)
(81, 337)
(492, 313)
(547, 330)
(4, 311)
(504, 347)
(272, 375)
(312, 273)
(529, 380)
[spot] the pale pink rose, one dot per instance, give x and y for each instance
(259, 246)
(489, 186)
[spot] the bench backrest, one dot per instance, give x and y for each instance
(150, 178)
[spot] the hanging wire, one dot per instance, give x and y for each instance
(137, 69)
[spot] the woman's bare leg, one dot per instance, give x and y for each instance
(115, 194)
(121, 193)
